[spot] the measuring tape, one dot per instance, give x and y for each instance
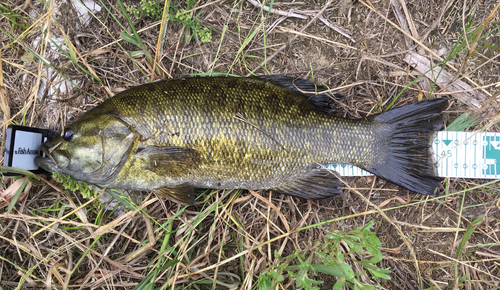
(458, 154)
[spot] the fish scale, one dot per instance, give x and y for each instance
(252, 133)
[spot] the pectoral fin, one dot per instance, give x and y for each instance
(170, 161)
(182, 193)
(316, 184)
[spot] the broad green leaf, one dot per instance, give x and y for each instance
(374, 239)
(338, 285)
(28, 57)
(349, 273)
(328, 269)
(376, 253)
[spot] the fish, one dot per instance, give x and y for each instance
(179, 136)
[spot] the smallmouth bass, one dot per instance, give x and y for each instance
(268, 132)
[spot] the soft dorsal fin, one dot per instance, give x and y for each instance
(318, 95)
(316, 184)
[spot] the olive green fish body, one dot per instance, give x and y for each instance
(253, 140)
(228, 132)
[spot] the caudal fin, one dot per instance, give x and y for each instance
(409, 161)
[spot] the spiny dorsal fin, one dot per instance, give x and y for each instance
(316, 184)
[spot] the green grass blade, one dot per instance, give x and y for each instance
(137, 38)
(467, 234)
(16, 196)
(462, 122)
(19, 171)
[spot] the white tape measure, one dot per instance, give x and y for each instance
(458, 154)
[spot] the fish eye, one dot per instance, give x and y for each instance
(68, 135)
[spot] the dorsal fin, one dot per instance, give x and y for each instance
(320, 96)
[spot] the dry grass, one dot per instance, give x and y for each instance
(55, 239)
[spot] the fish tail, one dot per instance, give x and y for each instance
(409, 160)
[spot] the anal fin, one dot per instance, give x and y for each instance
(316, 184)
(182, 193)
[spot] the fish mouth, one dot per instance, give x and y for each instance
(48, 162)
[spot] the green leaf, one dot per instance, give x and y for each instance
(72, 52)
(277, 255)
(328, 269)
(264, 282)
(308, 283)
(349, 273)
(379, 272)
(27, 57)
(463, 278)
(333, 261)
(340, 255)
(376, 253)
(338, 285)
(330, 236)
(369, 225)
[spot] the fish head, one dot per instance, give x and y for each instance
(92, 149)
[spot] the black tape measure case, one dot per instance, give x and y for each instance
(22, 145)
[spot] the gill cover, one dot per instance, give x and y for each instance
(92, 149)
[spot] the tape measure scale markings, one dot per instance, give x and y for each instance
(458, 154)
(491, 155)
